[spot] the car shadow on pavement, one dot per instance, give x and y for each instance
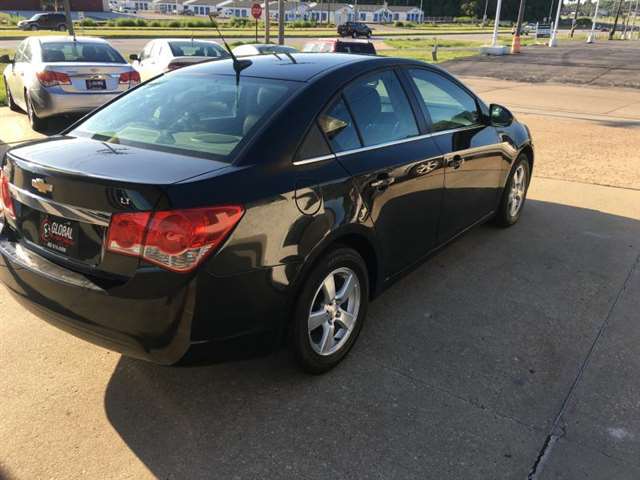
(459, 372)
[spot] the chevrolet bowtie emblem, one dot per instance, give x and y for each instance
(40, 185)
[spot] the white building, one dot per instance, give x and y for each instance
(168, 6)
(407, 14)
(201, 7)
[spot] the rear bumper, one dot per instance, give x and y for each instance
(54, 101)
(155, 328)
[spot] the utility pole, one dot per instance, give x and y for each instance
(280, 22)
(553, 41)
(592, 35)
(550, 10)
(575, 19)
(484, 15)
(615, 22)
(515, 44)
(633, 23)
(626, 21)
(267, 22)
(496, 25)
(67, 13)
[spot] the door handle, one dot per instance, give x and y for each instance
(382, 182)
(455, 162)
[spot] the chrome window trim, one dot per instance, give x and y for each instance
(383, 145)
(69, 212)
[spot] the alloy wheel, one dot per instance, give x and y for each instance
(334, 311)
(518, 190)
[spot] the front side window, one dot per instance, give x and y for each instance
(337, 125)
(381, 109)
(448, 105)
(80, 52)
(197, 49)
(192, 113)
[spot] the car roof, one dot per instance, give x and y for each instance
(188, 39)
(69, 39)
(306, 65)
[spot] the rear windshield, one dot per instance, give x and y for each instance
(197, 49)
(80, 52)
(189, 113)
(343, 47)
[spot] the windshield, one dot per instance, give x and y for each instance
(197, 49)
(186, 112)
(80, 52)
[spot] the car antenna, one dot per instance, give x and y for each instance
(238, 65)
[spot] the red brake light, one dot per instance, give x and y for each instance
(132, 77)
(49, 78)
(178, 240)
(6, 202)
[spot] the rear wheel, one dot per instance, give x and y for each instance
(10, 103)
(330, 310)
(34, 27)
(515, 193)
(354, 35)
(62, 27)
(36, 122)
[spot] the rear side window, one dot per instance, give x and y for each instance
(381, 109)
(80, 52)
(448, 105)
(197, 49)
(314, 145)
(337, 125)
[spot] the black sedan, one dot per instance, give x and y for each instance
(253, 203)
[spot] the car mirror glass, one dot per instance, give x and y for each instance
(500, 116)
(332, 126)
(134, 58)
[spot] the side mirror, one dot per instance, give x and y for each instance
(134, 58)
(500, 116)
(5, 59)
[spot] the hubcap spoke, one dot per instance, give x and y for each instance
(326, 344)
(318, 318)
(346, 319)
(329, 288)
(346, 290)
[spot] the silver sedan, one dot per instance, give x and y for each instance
(59, 75)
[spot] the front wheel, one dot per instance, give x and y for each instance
(515, 193)
(34, 27)
(330, 310)
(354, 35)
(62, 28)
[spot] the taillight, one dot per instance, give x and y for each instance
(6, 202)
(49, 78)
(178, 240)
(176, 65)
(132, 77)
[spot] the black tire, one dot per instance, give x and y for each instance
(34, 27)
(505, 216)
(300, 338)
(354, 35)
(62, 28)
(10, 103)
(36, 122)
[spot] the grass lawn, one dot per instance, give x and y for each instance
(425, 55)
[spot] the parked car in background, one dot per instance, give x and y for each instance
(261, 49)
(163, 55)
(61, 75)
(340, 46)
(45, 21)
(354, 29)
(227, 205)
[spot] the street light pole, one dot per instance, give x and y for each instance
(592, 35)
(553, 42)
(633, 22)
(494, 39)
(515, 44)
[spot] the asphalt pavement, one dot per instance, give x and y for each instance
(512, 353)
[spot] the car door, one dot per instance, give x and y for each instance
(147, 61)
(11, 72)
(472, 151)
(21, 68)
(377, 136)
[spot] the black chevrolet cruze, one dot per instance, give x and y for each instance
(254, 203)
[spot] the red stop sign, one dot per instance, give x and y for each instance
(256, 11)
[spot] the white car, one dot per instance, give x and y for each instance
(261, 49)
(159, 56)
(61, 75)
